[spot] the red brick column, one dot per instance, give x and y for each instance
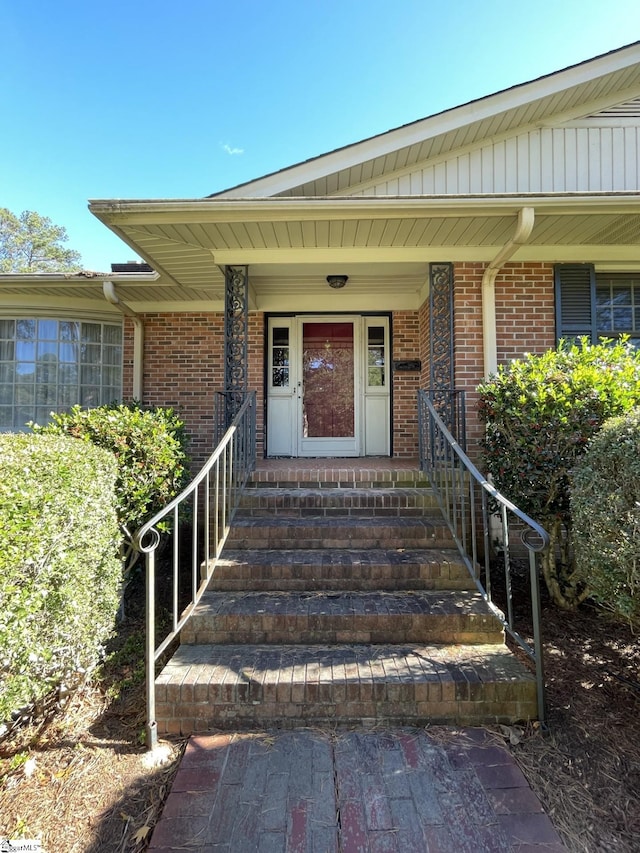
(406, 345)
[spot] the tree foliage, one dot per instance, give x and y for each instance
(540, 412)
(32, 243)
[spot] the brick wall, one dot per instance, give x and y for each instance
(525, 322)
(525, 311)
(183, 368)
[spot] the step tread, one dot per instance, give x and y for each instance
(346, 568)
(341, 557)
(347, 603)
(311, 475)
(391, 663)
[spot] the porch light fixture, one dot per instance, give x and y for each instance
(337, 281)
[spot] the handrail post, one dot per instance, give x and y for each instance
(537, 635)
(152, 726)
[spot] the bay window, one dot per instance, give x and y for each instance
(49, 364)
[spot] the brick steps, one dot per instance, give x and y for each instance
(250, 686)
(340, 598)
(339, 532)
(320, 568)
(348, 616)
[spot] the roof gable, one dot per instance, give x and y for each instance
(597, 153)
(605, 84)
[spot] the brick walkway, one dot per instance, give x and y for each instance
(384, 791)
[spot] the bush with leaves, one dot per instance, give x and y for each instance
(149, 446)
(540, 412)
(605, 506)
(60, 574)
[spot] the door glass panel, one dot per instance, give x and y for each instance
(375, 356)
(328, 368)
(280, 358)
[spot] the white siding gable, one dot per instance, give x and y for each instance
(597, 153)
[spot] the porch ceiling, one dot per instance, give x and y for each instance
(383, 244)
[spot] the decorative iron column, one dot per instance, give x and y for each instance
(236, 333)
(441, 372)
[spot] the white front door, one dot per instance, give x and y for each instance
(327, 386)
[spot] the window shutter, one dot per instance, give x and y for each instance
(575, 301)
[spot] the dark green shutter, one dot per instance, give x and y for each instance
(575, 301)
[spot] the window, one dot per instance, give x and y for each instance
(598, 305)
(50, 365)
(618, 306)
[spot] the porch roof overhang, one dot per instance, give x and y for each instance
(384, 244)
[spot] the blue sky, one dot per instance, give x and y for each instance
(159, 99)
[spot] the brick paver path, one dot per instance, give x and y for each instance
(380, 791)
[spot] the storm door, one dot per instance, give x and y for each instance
(327, 405)
(321, 386)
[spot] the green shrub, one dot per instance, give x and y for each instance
(60, 573)
(605, 501)
(149, 446)
(540, 412)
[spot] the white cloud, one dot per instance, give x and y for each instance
(231, 151)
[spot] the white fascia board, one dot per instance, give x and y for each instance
(452, 119)
(148, 212)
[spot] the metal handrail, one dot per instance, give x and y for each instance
(467, 499)
(211, 500)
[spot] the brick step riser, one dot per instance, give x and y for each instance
(337, 512)
(235, 582)
(254, 716)
(332, 635)
(296, 541)
(329, 704)
(334, 629)
(332, 505)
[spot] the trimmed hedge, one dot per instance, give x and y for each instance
(149, 446)
(605, 502)
(60, 573)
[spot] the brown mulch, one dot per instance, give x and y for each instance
(81, 781)
(586, 768)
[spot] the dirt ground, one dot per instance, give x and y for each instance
(82, 781)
